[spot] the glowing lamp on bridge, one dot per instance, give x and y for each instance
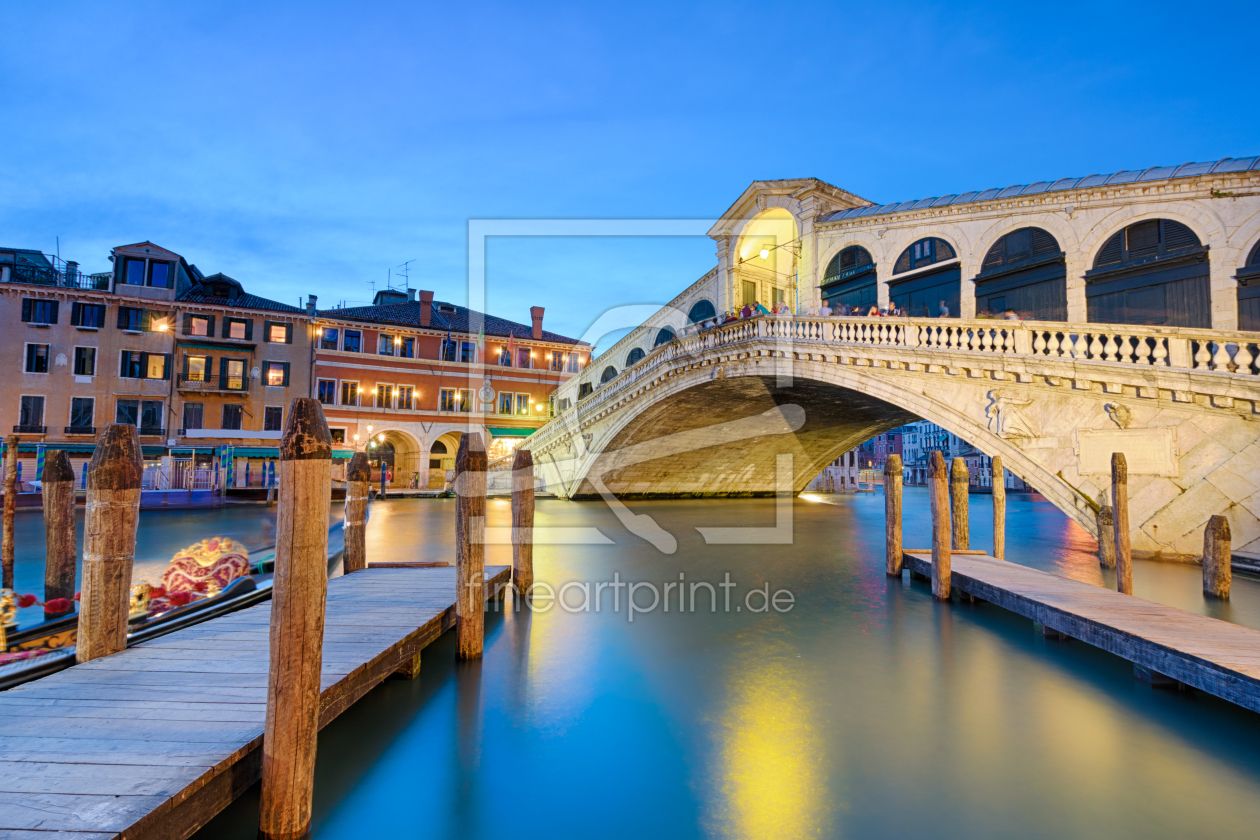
(765, 253)
(382, 438)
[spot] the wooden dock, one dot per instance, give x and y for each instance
(1208, 654)
(153, 741)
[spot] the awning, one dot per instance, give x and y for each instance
(216, 346)
(342, 453)
(254, 452)
(504, 431)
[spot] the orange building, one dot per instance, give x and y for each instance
(405, 378)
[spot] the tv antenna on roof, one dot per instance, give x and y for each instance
(406, 273)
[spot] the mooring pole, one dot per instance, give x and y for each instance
(938, 498)
(300, 589)
(523, 521)
(998, 480)
(470, 546)
(1120, 517)
(59, 530)
(1217, 572)
(892, 515)
(109, 542)
(959, 487)
(358, 477)
(1106, 537)
(10, 509)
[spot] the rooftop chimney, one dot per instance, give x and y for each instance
(426, 308)
(411, 295)
(536, 313)
(310, 304)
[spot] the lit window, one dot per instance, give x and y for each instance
(349, 393)
(277, 373)
(236, 328)
(326, 389)
(405, 397)
(522, 403)
(278, 333)
(199, 325)
(505, 403)
(155, 366)
(446, 399)
(464, 399)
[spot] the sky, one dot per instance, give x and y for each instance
(313, 148)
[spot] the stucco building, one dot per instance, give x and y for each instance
(406, 377)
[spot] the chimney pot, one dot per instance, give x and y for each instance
(411, 295)
(536, 313)
(310, 304)
(426, 308)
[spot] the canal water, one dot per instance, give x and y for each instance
(867, 710)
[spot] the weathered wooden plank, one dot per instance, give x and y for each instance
(20, 834)
(96, 779)
(74, 812)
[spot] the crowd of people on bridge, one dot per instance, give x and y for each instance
(756, 309)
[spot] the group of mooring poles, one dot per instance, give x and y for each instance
(951, 527)
(947, 498)
(1115, 550)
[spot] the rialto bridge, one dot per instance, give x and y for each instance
(709, 414)
(1133, 288)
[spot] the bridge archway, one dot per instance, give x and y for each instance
(635, 356)
(1248, 277)
(765, 267)
(926, 279)
(1153, 271)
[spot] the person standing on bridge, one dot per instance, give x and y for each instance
(760, 308)
(944, 310)
(825, 311)
(746, 312)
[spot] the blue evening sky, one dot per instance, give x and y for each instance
(310, 147)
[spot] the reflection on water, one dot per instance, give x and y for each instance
(868, 711)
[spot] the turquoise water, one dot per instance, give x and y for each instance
(866, 711)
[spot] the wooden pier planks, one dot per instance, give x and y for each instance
(1208, 654)
(154, 741)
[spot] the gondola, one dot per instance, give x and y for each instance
(211, 578)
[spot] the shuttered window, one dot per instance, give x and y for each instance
(925, 252)
(848, 261)
(39, 311)
(1019, 246)
(1151, 238)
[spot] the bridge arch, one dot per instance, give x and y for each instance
(701, 310)
(1205, 224)
(827, 392)
(634, 357)
(609, 373)
(763, 268)
(664, 336)
(1063, 232)
(1024, 271)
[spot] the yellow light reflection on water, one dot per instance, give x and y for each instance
(774, 775)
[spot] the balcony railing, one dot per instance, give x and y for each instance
(42, 276)
(80, 430)
(152, 431)
(26, 429)
(194, 382)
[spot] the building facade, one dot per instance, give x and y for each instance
(195, 363)
(405, 378)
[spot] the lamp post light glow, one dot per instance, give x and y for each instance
(765, 253)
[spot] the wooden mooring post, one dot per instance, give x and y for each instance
(10, 510)
(109, 542)
(523, 521)
(998, 479)
(1217, 554)
(959, 487)
(470, 546)
(59, 531)
(892, 515)
(1106, 537)
(1120, 520)
(358, 477)
(298, 601)
(938, 497)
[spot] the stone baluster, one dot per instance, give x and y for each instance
(1221, 360)
(1202, 357)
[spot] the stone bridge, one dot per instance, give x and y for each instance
(707, 414)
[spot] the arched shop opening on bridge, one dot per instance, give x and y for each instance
(849, 280)
(701, 310)
(926, 279)
(1152, 272)
(1248, 278)
(635, 356)
(1025, 271)
(610, 372)
(664, 336)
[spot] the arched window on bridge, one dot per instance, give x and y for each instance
(1024, 271)
(610, 372)
(701, 310)
(1152, 272)
(665, 336)
(635, 356)
(1249, 292)
(850, 279)
(932, 288)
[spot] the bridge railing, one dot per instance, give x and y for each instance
(1214, 351)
